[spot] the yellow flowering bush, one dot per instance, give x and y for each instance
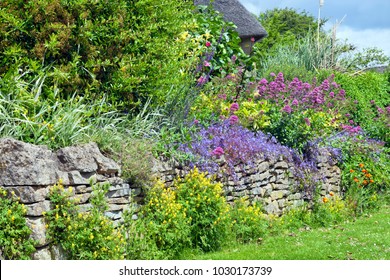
(14, 232)
(248, 222)
(83, 235)
(162, 230)
(205, 209)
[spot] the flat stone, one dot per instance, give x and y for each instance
(277, 195)
(30, 194)
(36, 209)
(37, 226)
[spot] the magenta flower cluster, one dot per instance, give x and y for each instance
(297, 95)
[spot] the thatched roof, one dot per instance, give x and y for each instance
(247, 25)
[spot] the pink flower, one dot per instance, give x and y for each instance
(233, 119)
(253, 39)
(202, 80)
(218, 152)
(208, 44)
(196, 121)
(380, 110)
(295, 102)
(206, 63)
(287, 109)
(331, 94)
(222, 96)
(307, 121)
(234, 107)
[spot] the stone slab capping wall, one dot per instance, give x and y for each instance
(30, 170)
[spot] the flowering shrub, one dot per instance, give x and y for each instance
(233, 145)
(15, 241)
(162, 230)
(205, 208)
(193, 213)
(88, 235)
(359, 154)
(248, 223)
(361, 192)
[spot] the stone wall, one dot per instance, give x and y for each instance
(271, 182)
(29, 171)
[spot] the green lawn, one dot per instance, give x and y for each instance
(367, 238)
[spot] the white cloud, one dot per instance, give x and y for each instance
(366, 38)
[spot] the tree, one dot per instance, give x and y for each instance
(284, 27)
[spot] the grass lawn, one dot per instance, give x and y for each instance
(367, 238)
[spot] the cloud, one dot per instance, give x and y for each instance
(366, 38)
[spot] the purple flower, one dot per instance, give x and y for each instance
(234, 107)
(331, 94)
(287, 109)
(295, 102)
(307, 121)
(196, 121)
(218, 152)
(233, 119)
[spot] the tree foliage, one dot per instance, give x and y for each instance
(284, 27)
(126, 48)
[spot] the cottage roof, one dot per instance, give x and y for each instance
(232, 10)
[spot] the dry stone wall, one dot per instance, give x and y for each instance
(29, 171)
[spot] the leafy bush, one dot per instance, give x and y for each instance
(162, 230)
(371, 100)
(361, 153)
(87, 235)
(249, 224)
(127, 49)
(206, 209)
(15, 241)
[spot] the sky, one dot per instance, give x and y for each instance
(364, 23)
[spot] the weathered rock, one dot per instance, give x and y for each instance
(36, 209)
(23, 164)
(37, 226)
(29, 194)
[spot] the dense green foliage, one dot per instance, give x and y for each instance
(144, 77)
(83, 236)
(126, 49)
(284, 27)
(15, 241)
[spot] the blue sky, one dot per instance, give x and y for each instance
(366, 23)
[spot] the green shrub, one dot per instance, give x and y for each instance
(206, 209)
(249, 224)
(83, 235)
(369, 91)
(15, 241)
(127, 49)
(162, 230)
